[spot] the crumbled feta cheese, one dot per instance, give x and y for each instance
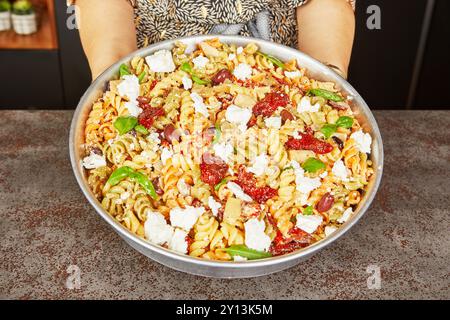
(184, 189)
(329, 230)
(129, 87)
(340, 170)
(259, 166)
(239, 50)
(231, 56)
(94, 161)
(156, 228)
(242, 71)
(363, 140)
(154, 136)
(223, 151)
(239, 116)
(304, 184)
(308, 223)
(200, 62)
(305, 105)
(296, 135)
(185, 218)
(178, 241)
(133, 108)
(255, 237)
(214, 205)
(273, 122)
(346, 215)
(239, 258)
(161, 61)
(187, 82)
(238, 192)
(323, 174)
(166, 154)
(293, 74)
(199, 105)
(125, 195)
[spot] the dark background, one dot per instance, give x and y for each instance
(405, 65)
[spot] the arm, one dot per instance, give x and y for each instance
(107, 32)
(326, 31)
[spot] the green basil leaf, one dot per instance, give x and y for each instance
(221, 183)
(141, 129)
(123, 70)
(344, 122)
(272, 59)
(145, 183)
(186, 67)
(119, 174)
(198, 80)
(308, 211)
(326, 94)
(244, 251)
(125, 124)
(142, 76)
(328, 130)
(313, 165)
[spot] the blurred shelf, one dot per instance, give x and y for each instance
(44, 39)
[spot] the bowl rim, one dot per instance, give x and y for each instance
(303, 252)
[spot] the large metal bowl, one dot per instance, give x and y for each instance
(226, 269)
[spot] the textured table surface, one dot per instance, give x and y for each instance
(50, 233)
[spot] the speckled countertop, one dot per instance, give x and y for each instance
(49, 232)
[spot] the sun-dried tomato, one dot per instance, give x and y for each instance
(153, 84)
(212, 169)
(148, 116)
(296, 239)
(271, 102)
(308, 142)
(247, 182)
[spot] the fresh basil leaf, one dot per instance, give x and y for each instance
(308, 211)
(344, 122)
(313, 165)
(119, 174)
(244, 251)
(186, 67)
(142, 76)
(141, 129)
(198, 80)
(328, 130)
(123, 70)
(221, 183)
(125, 124)
(326, 94)
(126, 172)
(272, 59)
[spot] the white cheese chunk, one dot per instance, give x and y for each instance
(187, 82)
(329, 230)
(214, 205)
(94, 161)
(199, 105)
(224, 151)
(133, 108)
(239, 50)
(239, 116)
(154, 137)
(346, 215)
(161, 61)
(231, 56)
(255, 237)
(363, 141)
(308, 223)
(340, 171)
(200, 61)
(273, 122)
(185, 218)
(293, 74)
(166, 154)
(260, 164)
(156, 228)
(238, 192)
(184, 189)
(178, 241)
(304, 184)
(242, 71)
(305, 105)
(129, 87)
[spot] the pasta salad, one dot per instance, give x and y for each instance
(225, 152)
